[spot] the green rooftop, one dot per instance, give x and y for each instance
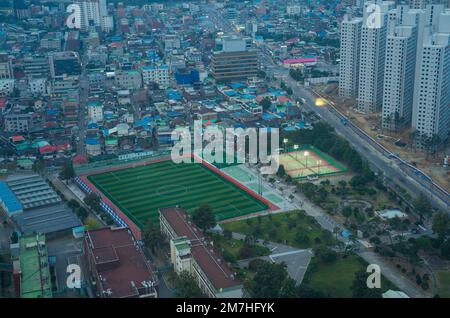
(35, 275)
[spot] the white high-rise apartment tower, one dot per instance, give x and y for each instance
(400, 67)
(95, 13)
(431, 107)
(349, 56)
(372, 56)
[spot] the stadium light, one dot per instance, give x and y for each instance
(306, 154)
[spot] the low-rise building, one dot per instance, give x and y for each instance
(118, 265)
(190, 251)
(156, 74)
(17, 122)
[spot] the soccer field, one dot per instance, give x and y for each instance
(141, 190)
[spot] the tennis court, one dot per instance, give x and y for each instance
(140, 191)
(309, 161)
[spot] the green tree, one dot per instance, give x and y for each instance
(204, 217)
(67, 171)
(73, 204)
(152, 236)
(92, 200)
(82, 213)
(325, 255)
(347, 212)
(186, 287)
(423, 206)
(269, 280)
(441, 224)
(281, 171)
(360, 289)
(39, 165)
(265, 103)
(445, 249)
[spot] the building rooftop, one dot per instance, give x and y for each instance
(119, 261)
(47, 219)
(35, 275)
(8, 198)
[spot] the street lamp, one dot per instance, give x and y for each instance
(285, 141)
(306, 154)
(296, 153)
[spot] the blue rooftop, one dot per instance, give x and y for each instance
(9, 200)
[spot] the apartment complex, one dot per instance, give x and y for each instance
(403, 67)
(190, 251)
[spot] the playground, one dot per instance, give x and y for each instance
(309, 161)
(140, 190)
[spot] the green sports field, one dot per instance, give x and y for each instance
(141, 190)
(309, 161)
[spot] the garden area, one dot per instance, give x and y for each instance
(233, 250)
(443, 284)
(294, 228)
(337, 277)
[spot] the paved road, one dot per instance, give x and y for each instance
(84, 94)
(401, 176)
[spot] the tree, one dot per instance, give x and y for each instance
(360, 289)
(152, 236)
(347, 212)
(39, 165)
(92, 200)
(73, 204)
(445, 249)
(67, 172)
(204, 217)
(325, 255)
(186, 287)
(422, 206)
(265, 103)
(82, 213)
(269, 280)
(281, 171)
(441, 224)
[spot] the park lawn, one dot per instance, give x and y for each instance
(335, 279)
(443, 284)
(233, 246)
(278, 228)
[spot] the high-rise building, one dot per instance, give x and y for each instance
(234, 60)
(349, 56)
(400, 67)
(431, 112)
(95, 13)
(372, 56)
